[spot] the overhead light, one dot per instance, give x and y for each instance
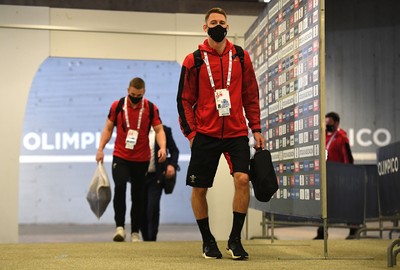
(264, 1)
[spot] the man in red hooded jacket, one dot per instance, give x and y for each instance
(337, 150)
(337, 143)
(214, 101)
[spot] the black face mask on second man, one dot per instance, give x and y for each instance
(217, 33)
(330, 128)
(135, 100)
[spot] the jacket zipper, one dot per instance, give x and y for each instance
(222, 75)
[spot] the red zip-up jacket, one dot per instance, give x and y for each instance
(339, 148)
(196, 103)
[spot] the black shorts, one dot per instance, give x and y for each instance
(206, 152)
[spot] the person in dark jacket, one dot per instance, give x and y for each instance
(157, 176)
(213, 103)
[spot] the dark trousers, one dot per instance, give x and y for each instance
(151, 213)
(124, 171)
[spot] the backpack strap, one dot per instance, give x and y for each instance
(240, 54)
(151, 113)
(198, 60)
(118, 109)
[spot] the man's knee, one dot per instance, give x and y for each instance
(241, 179)
(199, 192)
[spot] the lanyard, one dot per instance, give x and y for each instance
(126, 114)
(228, 79)
(331, 140)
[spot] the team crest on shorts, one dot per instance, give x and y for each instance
(192, 178)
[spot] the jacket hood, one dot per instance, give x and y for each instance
(206, 47)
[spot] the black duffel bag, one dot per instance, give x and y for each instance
(262, 176)
(169, 184)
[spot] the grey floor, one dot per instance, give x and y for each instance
(32, 233)
(47, 233)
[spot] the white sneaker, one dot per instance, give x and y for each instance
(135, 237)
(119, 235)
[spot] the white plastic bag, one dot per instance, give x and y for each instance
(99, 194)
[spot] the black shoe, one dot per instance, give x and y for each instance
(211, 251)
(352, 234)
(318, 237)
(320, 233)
(236, 250)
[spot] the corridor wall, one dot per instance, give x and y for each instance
(31, 34)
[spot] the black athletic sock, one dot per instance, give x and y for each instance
(205, 229)
(237, 226)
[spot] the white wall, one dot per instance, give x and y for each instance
(23, 50)
(132, 46)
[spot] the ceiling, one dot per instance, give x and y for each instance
(232, 7)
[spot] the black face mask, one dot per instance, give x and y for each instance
(329, 128)
(217, 33)
(135, 100)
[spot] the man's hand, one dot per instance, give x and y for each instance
(99, 156)
(162, 155)
(169, 172)
(259, 141)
